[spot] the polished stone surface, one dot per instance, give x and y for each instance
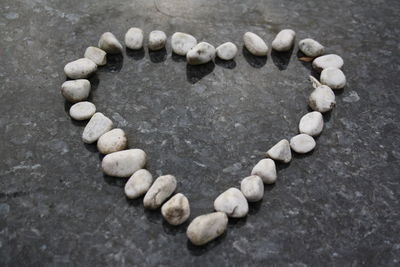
(206, 125)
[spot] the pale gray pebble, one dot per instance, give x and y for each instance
(176, 210)
(181, 43)
(110, 44)
(96, 55)
(207, 227)
(76, 90)
(157, 40)
(112, 141)
(266, 169)
(284, 40)
(162, 188)
(96, 127)
(280, 151)
(123, 163)
(255, 44)
(134, 38)
(302, 143)
(252, 188)
(312, 123)
(328, 61)
(227, 51)
(311, 48)
(138, 184)
(334, 78)
(232, 202)
(80, 68)
(322, 99)
(200, 54)
(82, 110)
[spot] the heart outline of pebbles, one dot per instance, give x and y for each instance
(120, 161)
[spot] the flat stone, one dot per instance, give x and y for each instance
(200, 54)
(112, 141)
(181, 43)
(311, 48)
(252, 188)
(82, 110)
(134, 38)
(334, 78)
(96, 127)
(110, 44)
(157, 40)
(302, 143)
(76, 90)
(280, 151)
(232, 202)
(138, 184)
(162, 188)
(80, 68)
(266, 169)
(227, 51)
(123, 163)
(284, 40)
(176, 210)
(328, 61)
(96, 55)
(312, 123)
(255, 44)
(322, 99)
(205, 228)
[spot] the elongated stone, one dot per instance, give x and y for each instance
(227, 51)
(112, 141)
(312, 123)
(200, 54)
(280, 151)
(181, 43)
(302, 143)
(76, 90)
(138, 184)
(80, 68)
(266, 169)
(157, 40)
(110, 44)
(162, 188)
(328, 61)
(311, 48)
(134, 38)
(82, 110)
(123, 163)
(255, 44)
(284, 40)
(252, 188)
(176, 210)
(205, 228)
(232, 202)
(96, 127)
(96, 55)
(334, 78)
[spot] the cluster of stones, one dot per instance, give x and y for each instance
(120, 161)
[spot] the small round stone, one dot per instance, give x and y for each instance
(134, 38)
(75, 90)
(227, 51)
(334, 78)
(232, 202)
(205, 228)
(157, 40)
(112, 141)
(82, 110)
(280, 151)
(302, 143)
(322, 99)
(96, 55)
(266, 169)
(123, 163)
(96, 127)
(181, 43)
(110, 44)
(162, 188)
(200, 54)
(311, 48)
(328, 61)
(138, 184)
(252, 188)
(80, 68)
(255, 44)
(284, 40)
(176, 210)
(312, 123)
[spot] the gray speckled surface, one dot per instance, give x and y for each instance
(208, 126)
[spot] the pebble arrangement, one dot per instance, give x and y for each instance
(120, 161)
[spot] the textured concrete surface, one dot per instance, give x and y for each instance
(338, 206)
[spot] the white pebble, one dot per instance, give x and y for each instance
(284, 40)
(110, 44)
(157, 40)
(82, 110)
(80, 68)
(200, 54)
(232, 202)
(311, 48)
(96, 55)
(96, 127)
(181, 43)
(312, 123)
(176, 210)
(227, 51)
(207, 227)
(333, 77)
(134, 38)
(138, 184)
(322, 99)
(252, 188)
(162, 188)
(266, 169)
(280, 151)
(302, 143)
(76, 90)
(123, 163)
(255, 44)
(112, 141)
(328, 61)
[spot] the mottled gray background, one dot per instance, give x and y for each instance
(338, 206)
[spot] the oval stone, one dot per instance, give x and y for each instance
(96, 127)
(255, 44)
(176, 210)
(134, 38)
(110, 44)
(162, 188)
(157, 40)
(311, 48)
(334, 78)
(138, 184)
(200, 54)
(76, 90)
(232, 202)
(302, 143)
(205, 228)
(227, 51)
(181, 43)
(284, 40)
(123, 163)
(312, 123)
(252, 188)
(266, 169)
(80, 68)
(82, 110)
(328, 61)
(112, 141)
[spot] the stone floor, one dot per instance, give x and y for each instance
(208, 125)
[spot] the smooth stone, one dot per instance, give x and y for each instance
(232, 202)
(207, 227)
(312, 123)
(280, 151)
(123, 163)
(157, 40)
(112, 141)
(322, 99)
(96, 55)
(311, 48)
(284, 40)
(82, 110)
(227, 51)
(302, 143)
(134, 38)
(76, 90)
(96, 127)
(138, 184)
(334, 78)
(328, 61)
(255, 44)
(181, 43)
(176, 210)
(110, 44)
(266, 169)
(162, 188)
(252, 188)
(200, 54)
(80, 68)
